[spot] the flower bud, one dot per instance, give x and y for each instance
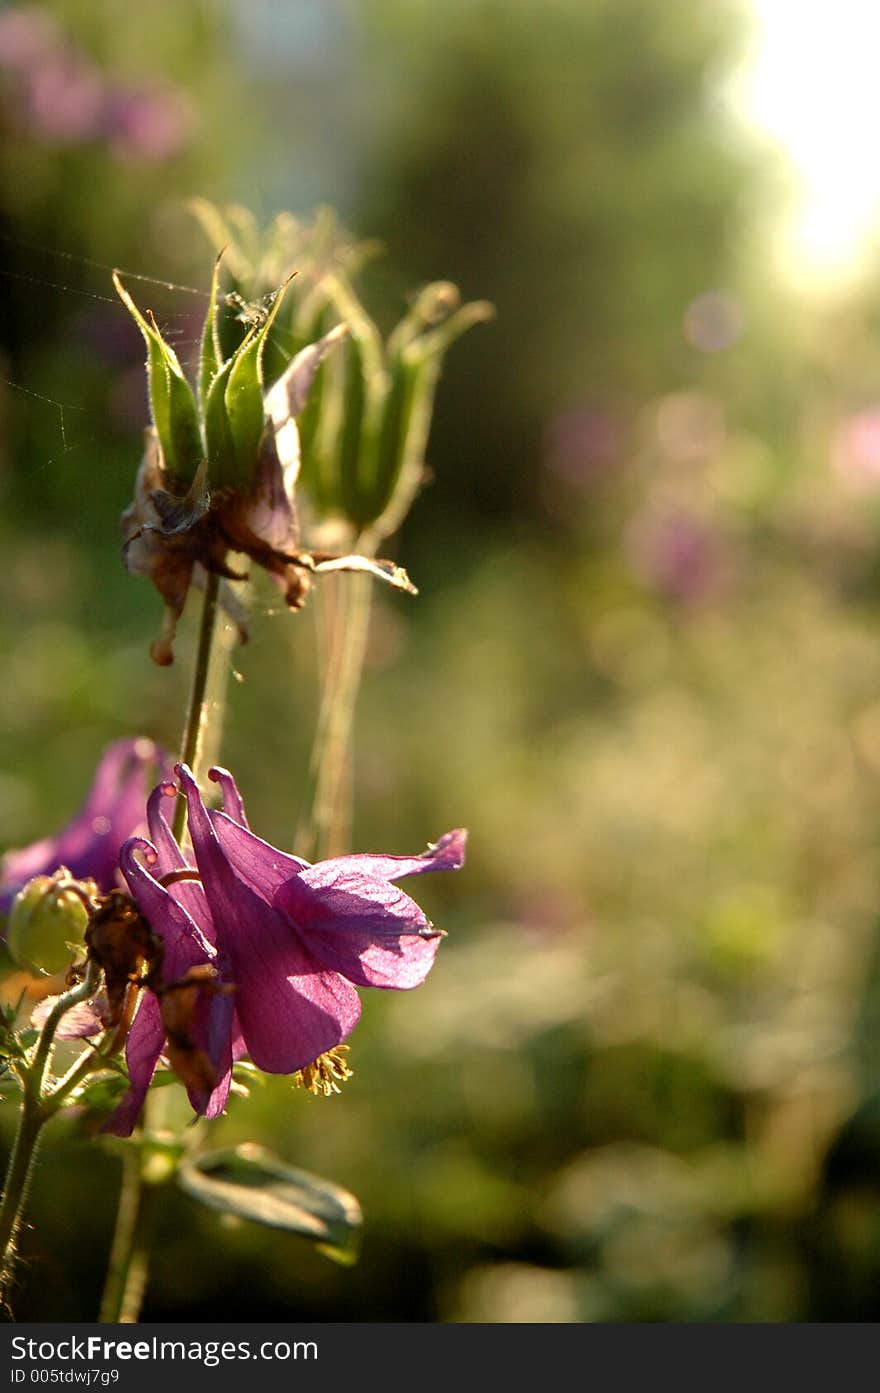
(47, 922)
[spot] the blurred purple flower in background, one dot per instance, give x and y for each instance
(64, 99)
(27, 34)
(148, 123)
(855, 451)
(89, 845)
(676, 553)
(581, 444)
(713, 321)
(57, 94)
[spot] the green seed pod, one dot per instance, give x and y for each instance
(172, 403)
(47, 922)
(243, 397)
(218, 436)
(211, 354)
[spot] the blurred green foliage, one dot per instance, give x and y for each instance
(642, 1081)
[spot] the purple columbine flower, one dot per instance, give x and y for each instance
(89, 845)
(294, 940)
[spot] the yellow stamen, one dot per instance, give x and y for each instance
(326, 1073)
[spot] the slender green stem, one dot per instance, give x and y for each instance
(197, 710)
(327, 827)
(129, 1257)
(36, 1109)
(130, 1254)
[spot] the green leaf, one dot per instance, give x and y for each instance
(243, 397)
(251, 1183)
(173, 405)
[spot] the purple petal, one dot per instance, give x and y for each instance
(188, 893)
(185, 947)
(213, 1034)
(290, 1010)
(18, 867)
(170, 855)
(233, 804)
(185, 944)
(357, 925)
(76, 1024)
(142, 1050)
(445, 855)
(239, 1048)
(262, 867)
(259, 864)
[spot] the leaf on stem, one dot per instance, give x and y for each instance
(251, 1183)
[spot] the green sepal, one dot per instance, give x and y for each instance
(251, 1183)
(172, 403)
(211, 354)
(243, 397)
(218, 436)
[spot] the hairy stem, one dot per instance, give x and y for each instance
(36, 1109)
(30, 1125)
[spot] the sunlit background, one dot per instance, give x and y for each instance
(809, 84)
(643, 1080)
